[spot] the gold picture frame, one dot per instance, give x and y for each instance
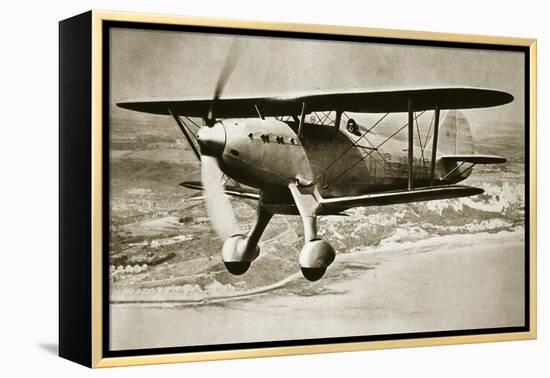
(91, 266)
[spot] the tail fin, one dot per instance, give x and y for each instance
(455, 136)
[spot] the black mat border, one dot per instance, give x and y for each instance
(107, 25)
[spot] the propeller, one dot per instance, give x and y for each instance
(218, 206)
(233, 57)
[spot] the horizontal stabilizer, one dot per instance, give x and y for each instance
(230, 190)
(474, 159)
(401, 196)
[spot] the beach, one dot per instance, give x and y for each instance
(452, 282)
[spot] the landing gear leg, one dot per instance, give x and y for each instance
(317, 254)
(239, 251)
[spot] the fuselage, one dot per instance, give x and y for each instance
(269, 155)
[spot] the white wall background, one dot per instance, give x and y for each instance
(29, 174)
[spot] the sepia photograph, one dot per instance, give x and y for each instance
(295, 188)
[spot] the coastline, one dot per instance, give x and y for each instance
(443, 283)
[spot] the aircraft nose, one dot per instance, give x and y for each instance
(212, 140)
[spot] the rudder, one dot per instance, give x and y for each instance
(455, 135)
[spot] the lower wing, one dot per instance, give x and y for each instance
(399, 196)
(231, 190)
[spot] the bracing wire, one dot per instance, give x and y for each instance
(354, 144)
(370, 153)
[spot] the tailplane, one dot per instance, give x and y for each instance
(455, 151)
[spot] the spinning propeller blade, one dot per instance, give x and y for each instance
(235, 53)
(218, 206)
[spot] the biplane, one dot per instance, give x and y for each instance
(306, 155)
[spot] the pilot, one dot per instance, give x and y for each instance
(353, 127)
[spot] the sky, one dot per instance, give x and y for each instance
(155, 65)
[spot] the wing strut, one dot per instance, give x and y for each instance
(411, 140)
(186, 133)
(258, 111)
(337, 121)
(302, 120)
(434, 146)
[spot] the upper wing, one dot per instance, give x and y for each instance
(388, 101)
